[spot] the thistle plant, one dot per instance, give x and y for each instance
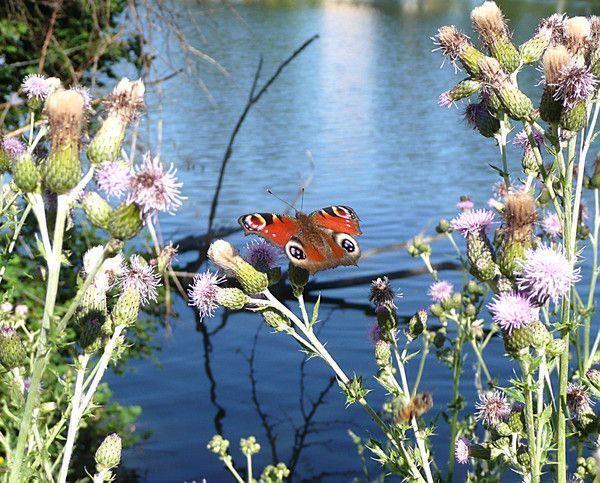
(522, 275)
(90, 333)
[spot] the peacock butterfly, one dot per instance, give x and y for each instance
(314, 242)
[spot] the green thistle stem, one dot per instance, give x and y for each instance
(421, 365)
(456, 372)
(594, 278)
(502, 145)
(249, 464)
(53, 261)
(530, 423)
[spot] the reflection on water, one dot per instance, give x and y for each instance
(363, 100)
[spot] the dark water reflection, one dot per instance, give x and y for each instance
(363, 100)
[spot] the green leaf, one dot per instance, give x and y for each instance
(315, 313)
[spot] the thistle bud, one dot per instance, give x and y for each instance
(12, 350)
(523, 456)
(416, 325)
(298, 277)
(274, 474)
(123, 106)
(26, 173)
(593, 375)
(443, 226)
(224, 255)
(480, 256)
(232, 298)
(126, 221)
(555, 347)
(65, 116)
(249, 446)
(480, 117)
(108, 455)
(97, 210)
(125, 312)
(489, 22)
(382, 353)
(532, 50)
(574, 118)
(90, 336)
(464, 88)
(516, 420)
(455, 45)
(275, 319)
(218, 445)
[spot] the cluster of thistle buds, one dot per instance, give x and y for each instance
(125, 284)
(249, 447)
(522, 271)
(145, 189)
(505, 424)
(569, 49)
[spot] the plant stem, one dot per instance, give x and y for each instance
(456, 371)
(530, 423)
(502, 146)
(74, 419)
(53, 262)
(249, 459)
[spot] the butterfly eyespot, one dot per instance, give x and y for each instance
(346, 242)
(294, 250)
(254, 222)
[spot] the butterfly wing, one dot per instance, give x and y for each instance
(337, 218)
(277, 229)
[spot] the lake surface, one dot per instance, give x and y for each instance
(363, 100)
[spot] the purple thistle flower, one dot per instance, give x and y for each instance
(473, 222)
(551, 226)
(262, 255)
(153, 188)
(461, 450)
(512, 311)
(26, 385)
(203, 292)
(445, 100)
(142, 278)
(36, 86)
(578, 400)
(555, 26)
(465, 203)
(575, 83)
(114, 178)
(492, 408)
(375, 333)
(14, 147)
(440, 291)
(546, 273)
(382, 293)
(85, 93)
(521, 139)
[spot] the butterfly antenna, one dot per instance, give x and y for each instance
(302, 200)
(282, 200)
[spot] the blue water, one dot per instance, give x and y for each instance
(363, 100)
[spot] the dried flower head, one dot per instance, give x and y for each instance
(492, 408)
(204, 291)
(262, 255)
(381, 293)
(440, 291)
(142, 278)
(555, 58)
(36, 86)
(552, 226)
(14, 147)
(520, 215)
(474, 221)
(65, 115)
(491, 72)
(546, 273)
(578, 400)
(108, 272)
(554, 26)
(461, 450)
(126, 100)
(511, 311)
(489, 22)
(578, 33)
(84, 92)
(451, 42)
(153, 188)
(114, 178)
(574, 83)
